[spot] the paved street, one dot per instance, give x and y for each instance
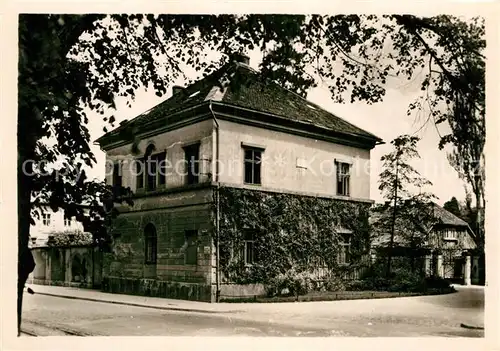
(413, 316)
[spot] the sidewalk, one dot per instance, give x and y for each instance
(451, 312)
(132, 300)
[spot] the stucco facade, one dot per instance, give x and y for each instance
(292, 163)
(165, 244)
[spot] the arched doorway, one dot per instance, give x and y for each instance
(150, 251)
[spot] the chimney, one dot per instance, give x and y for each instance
(241, 58)
(176, 89)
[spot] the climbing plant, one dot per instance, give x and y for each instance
(291, 233)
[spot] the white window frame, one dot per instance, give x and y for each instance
(67, 222)
(450, 234)
(46, 219)
(246, 243)
(346, 188)
(254, 163)
(345, 249)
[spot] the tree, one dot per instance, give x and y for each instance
(52, 128)
(69, 62)
(405, 213)
(453, 206)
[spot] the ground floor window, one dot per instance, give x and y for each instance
(191, 244)
(150, 239)
(248, 253)
(344, 249)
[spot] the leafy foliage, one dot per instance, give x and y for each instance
(453, 206)
(403, 279)
(53, 138)
(69, 238)
(398, 177)
(406, 216)
(292, 234)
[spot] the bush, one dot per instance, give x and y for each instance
(69, 238)
(436, 283)
(291, 283)
(334, 283)
(370, 284)
(402, 279)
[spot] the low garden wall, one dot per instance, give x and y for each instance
(75, 266)
(335, 296)
(157, 288)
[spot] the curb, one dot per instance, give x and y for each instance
(179, 309)
(470, 327)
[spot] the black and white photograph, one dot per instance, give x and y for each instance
(250, 174)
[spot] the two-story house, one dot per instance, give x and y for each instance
(213, 163)
(448, 250)
(51, 223)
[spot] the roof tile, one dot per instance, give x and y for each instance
(251, 92)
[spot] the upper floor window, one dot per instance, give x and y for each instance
(151, 169)
(343, 178)
(192, 158)
(450, 234)
(139, 171)
(67, 222)
(162, 167)
(253, 165)
(117, 175)
(151, 172)
(191, 247)
(46, 219)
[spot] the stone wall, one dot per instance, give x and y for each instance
(158, 288)
(228, 290)
(125, 268)
(67, 266)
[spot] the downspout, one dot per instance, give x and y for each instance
(217, 252)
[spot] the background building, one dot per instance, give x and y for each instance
(51, 223)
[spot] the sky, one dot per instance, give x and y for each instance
(387, 120)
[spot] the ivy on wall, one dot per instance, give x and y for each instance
(291, 232)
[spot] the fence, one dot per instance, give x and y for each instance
(346, 272)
